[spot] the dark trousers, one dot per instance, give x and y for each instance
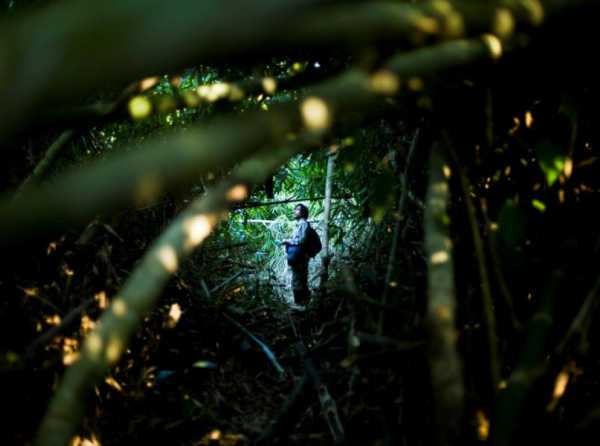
(300, 282)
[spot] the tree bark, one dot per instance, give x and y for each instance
(444, 358)
(326, 256)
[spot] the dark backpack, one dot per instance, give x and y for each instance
(313, 242)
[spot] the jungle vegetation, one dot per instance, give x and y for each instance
(152, 154)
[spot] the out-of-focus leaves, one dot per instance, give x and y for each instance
(512, 223)
(204, 365)
(552, 158)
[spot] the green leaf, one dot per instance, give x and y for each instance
(552, 160)
(540, 206)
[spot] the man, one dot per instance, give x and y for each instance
(298, 257)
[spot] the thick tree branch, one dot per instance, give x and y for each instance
(113, 42)
(159, 166)
(444, 359)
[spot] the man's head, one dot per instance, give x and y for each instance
(300, 211)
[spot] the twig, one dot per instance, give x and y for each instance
(264, 347)
(486, 291)
(530, 367)
(498, 274)
(396, 233)
(48, 335)
(226, 282)
(581, 322)
(44, 164)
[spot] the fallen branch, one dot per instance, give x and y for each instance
(264, 347)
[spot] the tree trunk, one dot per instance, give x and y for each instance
(326, 257)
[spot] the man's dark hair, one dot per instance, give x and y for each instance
(303, 210)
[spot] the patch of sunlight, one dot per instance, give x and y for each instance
(442, 6)
(197, 228)
(535, 10)
(269, 85)
(32, 292)
(439, 257)
(174, 315)
(214, 92)
(113, 383)
(493, 44)
(87, 324)
(425, 24)
(568, 168)
(504, 23)
(139, 107)
(81, 441)
(67, 271)
(315, 114)
(148, 83)
(560, 386)
(238, 192)
(385, 82)
(52, 320)
(528, 119)
(516, 125)
(455, 24)
(298, 67)
(416, 84)
(51, 247)
(119, 307)
(443, 313)
(447, 171)
(483, 425)
(70, 352)
(114, 348)
(102, 299)
(168, 258)
(93, 345)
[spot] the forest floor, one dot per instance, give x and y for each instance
(206, 381)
